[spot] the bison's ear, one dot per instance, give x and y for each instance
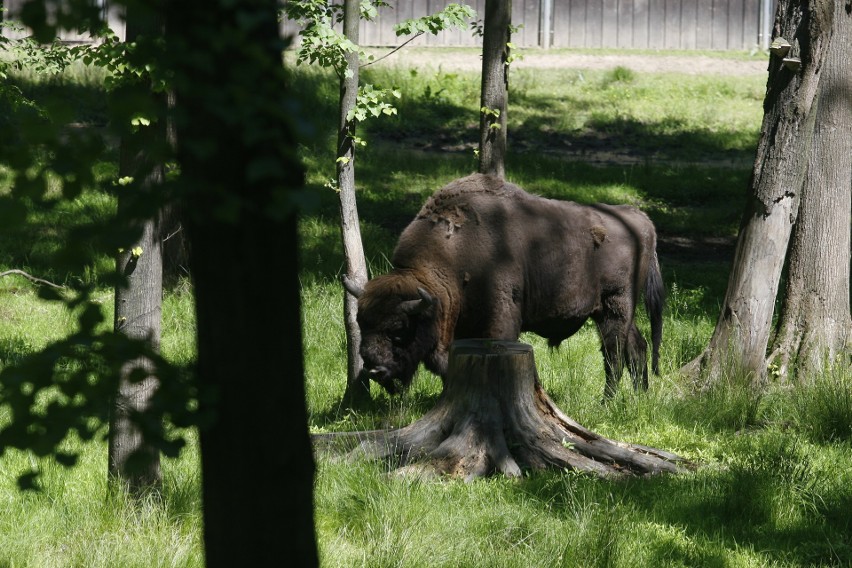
(415, 307)
(352, 287)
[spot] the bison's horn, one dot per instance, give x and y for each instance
(414, 307)
(426, 297)
(352, 287)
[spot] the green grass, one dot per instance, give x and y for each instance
(773, 486)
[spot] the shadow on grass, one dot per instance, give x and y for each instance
(13, 350)
(768, 506)
(383, 411)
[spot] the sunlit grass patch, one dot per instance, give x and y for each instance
(822, 405)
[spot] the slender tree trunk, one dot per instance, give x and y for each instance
(495, 87)
(742, 332)
(357, 384)
(815, 322)
(137, 315)
(138, 304)
(239, 173)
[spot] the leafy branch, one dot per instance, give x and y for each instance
(323, 45)
(492, 116)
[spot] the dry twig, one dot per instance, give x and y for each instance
(30, 277)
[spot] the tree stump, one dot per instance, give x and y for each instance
(493, 416)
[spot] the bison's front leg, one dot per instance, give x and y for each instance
(438, 361)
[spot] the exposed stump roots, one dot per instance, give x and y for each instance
(493, 416)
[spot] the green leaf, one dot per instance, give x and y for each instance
(454, 16)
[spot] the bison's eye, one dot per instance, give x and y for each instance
(401, 337)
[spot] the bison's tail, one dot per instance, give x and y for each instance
(655, 297)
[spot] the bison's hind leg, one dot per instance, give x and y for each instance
(637, 358)
(612, 348)
(622, 346)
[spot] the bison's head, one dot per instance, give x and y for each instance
(398, 328)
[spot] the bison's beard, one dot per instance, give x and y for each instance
(392, 383)
(395, 375)
(393, 367)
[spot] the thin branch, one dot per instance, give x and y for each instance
(394, 50)
(31, 278)
(176, 231)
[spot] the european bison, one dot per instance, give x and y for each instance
(485, 259)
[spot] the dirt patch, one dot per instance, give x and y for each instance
(685, 248)
(589, 146)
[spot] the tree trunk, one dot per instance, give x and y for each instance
(493, 416)
(741, 336)
(138, 304)
(357, 384)
(815, 321)
(138, 316)
(240, 172)
(256, 456)
(495, 87)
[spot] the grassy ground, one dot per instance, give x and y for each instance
(773, 486)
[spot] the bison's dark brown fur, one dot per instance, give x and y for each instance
(483, 258)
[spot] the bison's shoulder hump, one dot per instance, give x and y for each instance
(458, 202)
(467, 188)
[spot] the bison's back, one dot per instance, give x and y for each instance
(484, 222)
(509, 259)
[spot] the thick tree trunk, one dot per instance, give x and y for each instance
(815, 321)
(138, 304)
(357, 384)
(742, 332)
(493, 416)
(495, 87)
(239, 173)
(256, 456)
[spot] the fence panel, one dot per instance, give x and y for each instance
(654, 24)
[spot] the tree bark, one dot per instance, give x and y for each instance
(494, 417)
(815, 323)
(740, 339)
(138, 305)
(240, 173)
(137, 315)
(495, 87)
(357, 384)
